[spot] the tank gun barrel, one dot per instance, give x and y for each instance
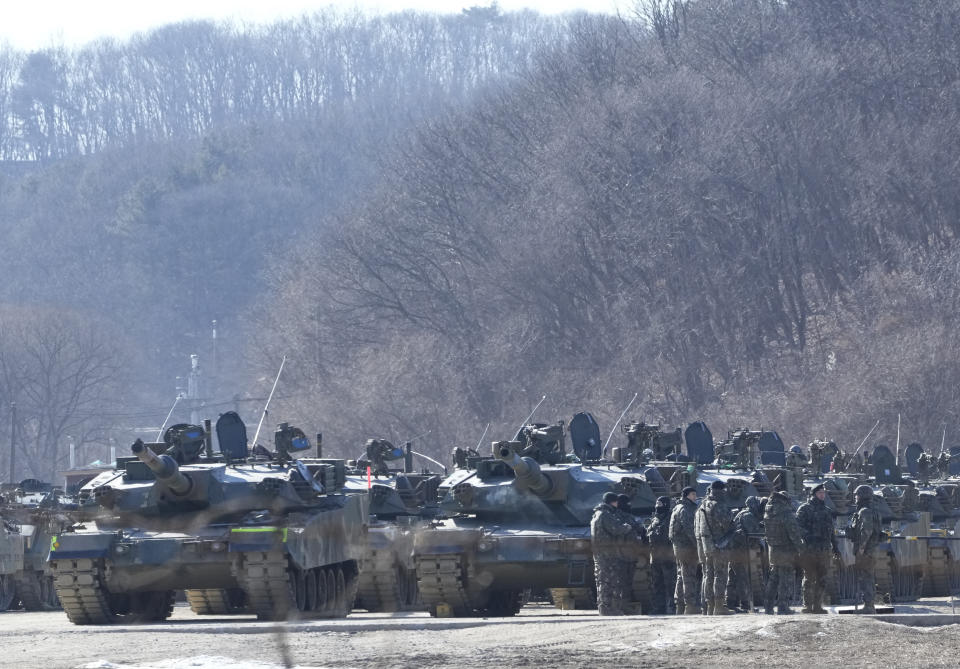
(526, 469)
(164, 467)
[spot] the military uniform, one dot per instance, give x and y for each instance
(631, 547)
(663, 568)
(816, 528)
(607, 531)
(748, 522)
(784, 543)
(866, 530)
(685, 551)
(712, 524)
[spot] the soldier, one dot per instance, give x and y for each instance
(816, 529)
(838, 464)
(924, 466)
(632, 546)
(784, 544)
(607, 531)
(685, 550)
(816, 458)
(748, 524)
(795, 457)
(713, 529)
(943, 464)
(866, 531)
(662, 565)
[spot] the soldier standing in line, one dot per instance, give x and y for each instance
(866, 531)
(662, 564)
(816, 529)
(784, 543)
(713, 529)
(685, 550)
(607, 532)
(633, 546)
(748, 524)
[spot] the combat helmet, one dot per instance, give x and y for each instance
(863, 492)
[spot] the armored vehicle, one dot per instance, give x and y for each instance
(401, 501)
(259, 532)
(519, 519)
(30, 513)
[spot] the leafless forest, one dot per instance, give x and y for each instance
(743, 210)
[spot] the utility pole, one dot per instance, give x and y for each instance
(193, 389)
(13, 440)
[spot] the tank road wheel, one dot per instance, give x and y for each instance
(36, 592)
(344, 589)
(441, 580)
(310, 589)
(87, 601)
(216, 602)
(7, 591)
(298, 580)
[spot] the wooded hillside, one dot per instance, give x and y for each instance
(743, 210)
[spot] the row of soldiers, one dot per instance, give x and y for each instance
(700, 554)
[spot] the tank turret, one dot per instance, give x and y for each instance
(164, 467)
(525, 469)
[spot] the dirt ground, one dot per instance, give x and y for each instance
(540, 636)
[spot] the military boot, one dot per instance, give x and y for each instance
(868, 608)
(819, 609)
(691, 610)
(784, 611)
(720, 608)
(807, 609)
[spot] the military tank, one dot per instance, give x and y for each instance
(32, 511)
(402, 500)
(239, 530)
(518, 519)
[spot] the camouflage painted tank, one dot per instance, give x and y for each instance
(258, 532)
(401, 502)
(31, 512)
(518, 519)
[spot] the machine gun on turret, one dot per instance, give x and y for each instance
(646, 442)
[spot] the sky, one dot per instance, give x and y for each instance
(38, 25)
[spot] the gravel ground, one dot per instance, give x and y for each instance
(540, 637)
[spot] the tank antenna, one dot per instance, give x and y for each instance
(169, 413)
(267, 405)
(614, 429)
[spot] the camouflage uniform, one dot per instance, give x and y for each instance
(712, 523)
(662, 564)
(631, 550)
(866, 531)
(607, 531)
(784, 543)
(748, 522)
(685, 550)
(816, 528)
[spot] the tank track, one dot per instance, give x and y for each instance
(384, 587)
(214, 602)
(36, 591)
(443, 584)
(86, 600)
(578, 599)
(936, 573)
(7, 591)
(277, 590)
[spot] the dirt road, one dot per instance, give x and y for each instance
(540, 637)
